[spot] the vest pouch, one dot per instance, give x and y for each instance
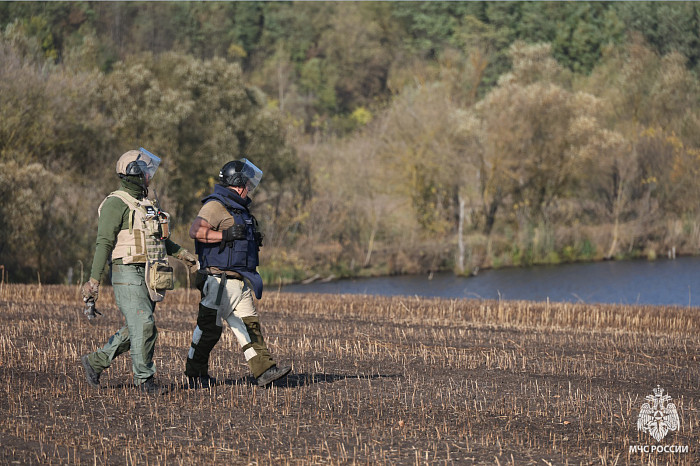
(159, 279)
(163, 278)
(163, 226)
(239, 253)
(164, 231)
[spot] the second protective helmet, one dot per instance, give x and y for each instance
(240, 173)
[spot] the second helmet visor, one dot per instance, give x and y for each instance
(252, 173)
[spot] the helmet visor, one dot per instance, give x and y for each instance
(252, 173)
(150, 163)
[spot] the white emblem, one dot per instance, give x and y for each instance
(658, 416)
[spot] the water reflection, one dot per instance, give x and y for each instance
(662, 282)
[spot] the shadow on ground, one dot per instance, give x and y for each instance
(291, 381)
(302, 379)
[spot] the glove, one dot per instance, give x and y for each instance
(90, 290)
(230, 234)
(189, 259)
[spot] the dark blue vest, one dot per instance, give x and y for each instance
(241, 255)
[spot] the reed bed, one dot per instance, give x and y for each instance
(375, 381)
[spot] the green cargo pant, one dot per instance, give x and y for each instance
(237, 308)
(139, 334)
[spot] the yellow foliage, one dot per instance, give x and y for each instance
(236, 51)
(675, 142)
(361, 116)
(649, 132)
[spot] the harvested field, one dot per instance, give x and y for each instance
(375, 381)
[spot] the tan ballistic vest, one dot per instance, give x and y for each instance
(140, 243)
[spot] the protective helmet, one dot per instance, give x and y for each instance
(239, 173)
(139, 163)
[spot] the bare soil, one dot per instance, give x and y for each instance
(375, 381)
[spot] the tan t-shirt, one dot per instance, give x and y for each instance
(216, 215)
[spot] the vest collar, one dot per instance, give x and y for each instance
(231, 196)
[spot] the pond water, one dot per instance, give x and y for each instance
(660, 282)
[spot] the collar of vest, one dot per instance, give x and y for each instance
(229, 197)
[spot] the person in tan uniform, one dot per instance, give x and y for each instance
(227, 242)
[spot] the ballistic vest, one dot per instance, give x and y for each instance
(141, 241)
(240, 255)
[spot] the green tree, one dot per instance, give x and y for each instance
(534, 138)
(666, 26)
(355, 46)
(582, 35)
(429, 26)
(486, 47)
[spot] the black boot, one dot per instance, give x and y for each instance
(272, 374)
(93, 378)
(202, 381)
(150, 387)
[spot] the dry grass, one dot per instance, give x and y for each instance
(375, 380)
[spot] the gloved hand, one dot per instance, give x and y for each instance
(230, 234)
(90, 290)
(189, 259)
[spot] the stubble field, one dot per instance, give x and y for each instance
(374, 381)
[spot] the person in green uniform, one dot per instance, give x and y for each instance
(133, 233)
(227, 242)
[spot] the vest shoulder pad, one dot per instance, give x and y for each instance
(128, 199)
(231, 210)
(111, 201)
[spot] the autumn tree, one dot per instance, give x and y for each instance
(197, 115)
(534, 137)
(52, 141)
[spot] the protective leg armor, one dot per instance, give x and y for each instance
(235, 305)
(205, 336)
(256, 353)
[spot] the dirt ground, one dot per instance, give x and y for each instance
(375, 381)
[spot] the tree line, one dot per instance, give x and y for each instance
(395, 137)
